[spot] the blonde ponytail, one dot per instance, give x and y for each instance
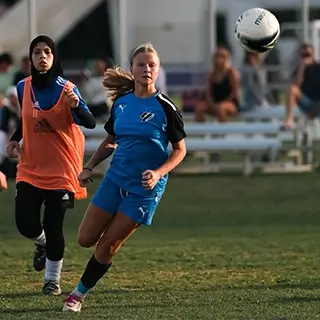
(117, 82)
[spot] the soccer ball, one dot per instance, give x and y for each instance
(257, 30)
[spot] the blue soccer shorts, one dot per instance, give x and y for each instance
(111, 198)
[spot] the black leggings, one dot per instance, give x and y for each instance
(29, 200)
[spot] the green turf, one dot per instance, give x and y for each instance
(220, 248)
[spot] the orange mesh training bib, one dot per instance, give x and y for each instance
(53, 146)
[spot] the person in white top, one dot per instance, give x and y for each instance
(161, 83)
(93, 90)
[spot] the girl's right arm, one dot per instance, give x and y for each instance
(104, 151)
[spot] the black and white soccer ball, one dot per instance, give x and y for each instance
(257, 30)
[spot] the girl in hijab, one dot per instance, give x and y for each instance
(50, 157)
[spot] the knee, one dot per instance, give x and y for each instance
(27, 229)
(86, 241)
(294, 90)
(24, 230)
(200, 111)
(219, 110)
(200, 107)
(105, 253)
(53, 231)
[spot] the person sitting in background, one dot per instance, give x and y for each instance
(10, 118)
(2, 103)
(304, 90)
(23, 72)
(6, 72)
(161, 83)
(190, 99)
(252, 84)
(221, 89)
(10, 115)
(93, 90)
(3, 8)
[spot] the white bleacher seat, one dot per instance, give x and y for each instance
(210, 129)
(231, 128)
(219, 129)
(258, 113)
(274, 112)
(246, 146)
(188, 116)
(212, 145)
(247, 138)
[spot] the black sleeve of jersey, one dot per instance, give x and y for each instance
(109, 126)
(87, 120)
(175, 125)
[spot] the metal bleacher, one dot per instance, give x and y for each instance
(257, 134)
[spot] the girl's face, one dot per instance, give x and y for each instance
(42, 57)
(145, 68)
(221, 57)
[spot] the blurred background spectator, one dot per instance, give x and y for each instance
(221, 91)
(184, 47)
(6, 72)
(23, 72)
(10, 116)
(91, 37)
(93, 91)
(5, 5)
(252, 82)
(304, 89)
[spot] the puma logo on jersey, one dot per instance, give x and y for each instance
(146, 116)
(122, 106)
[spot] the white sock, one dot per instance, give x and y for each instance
(41, 240)
(78, 294)
(53, 270)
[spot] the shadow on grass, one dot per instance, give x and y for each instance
(297, 300)
(276, 286)
(28, 294)
(28, 310)
(20, 295)
(97, 306)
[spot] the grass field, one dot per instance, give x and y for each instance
(220, 248)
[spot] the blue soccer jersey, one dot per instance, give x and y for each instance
(142, 127)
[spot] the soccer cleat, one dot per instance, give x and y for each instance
(39, 258)
(51, 288)
(72, 303)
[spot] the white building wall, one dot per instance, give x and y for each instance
(179, 29)
(174, 27)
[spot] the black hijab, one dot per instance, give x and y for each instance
(43, 80)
